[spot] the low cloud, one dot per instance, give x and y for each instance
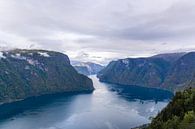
(99, 30)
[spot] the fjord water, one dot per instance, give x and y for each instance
(108, 107)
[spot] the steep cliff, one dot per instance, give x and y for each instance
(26, 73)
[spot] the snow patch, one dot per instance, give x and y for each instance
(32, 62)
(30, 54)
(45, 54)
(2, 56)
(18, 56)
(125, 61)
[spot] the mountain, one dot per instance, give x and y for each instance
(149, 72)
(181, 72)
(26, 73)
(82, 70)
(167, 71)
(171, 57)
(179, 113)
(87, 68)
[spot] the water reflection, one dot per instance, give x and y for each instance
(135, 92)
(108, 107)
(35, 103)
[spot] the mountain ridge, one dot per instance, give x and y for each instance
(160, 71)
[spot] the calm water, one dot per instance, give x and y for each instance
(108, 107)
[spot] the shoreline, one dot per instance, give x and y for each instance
(141, 127)
(15, 107)
(47, 94)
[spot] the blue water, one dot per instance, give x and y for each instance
(108, 107)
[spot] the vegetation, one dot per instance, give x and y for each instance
(167, 71)
(26, 73)
(179, 114)
(148, 72)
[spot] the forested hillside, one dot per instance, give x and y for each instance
(179, 114)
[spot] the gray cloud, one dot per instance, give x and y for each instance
(99, 30)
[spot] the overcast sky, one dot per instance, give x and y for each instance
(99, 30)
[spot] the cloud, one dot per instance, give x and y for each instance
(101, 29)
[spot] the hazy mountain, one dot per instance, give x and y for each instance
(160, 71)
(25, 73)
(82, 70)
(87, 68)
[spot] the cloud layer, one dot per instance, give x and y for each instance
(99, 30)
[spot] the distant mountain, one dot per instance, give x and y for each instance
(82, 70)
(87, 68)
(169, 71)
(26, 73)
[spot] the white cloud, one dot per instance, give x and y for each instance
(101, 29)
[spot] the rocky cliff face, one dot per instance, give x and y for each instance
(26, 73)
(161, 71)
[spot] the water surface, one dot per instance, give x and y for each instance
(108, 107)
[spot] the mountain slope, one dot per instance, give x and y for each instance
(149, 72)
(170, 57)
(165, 71)
(182, 71)
(179, 113)
(87, 68)
(26, 73)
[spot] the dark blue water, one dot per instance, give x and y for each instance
(108, 107)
